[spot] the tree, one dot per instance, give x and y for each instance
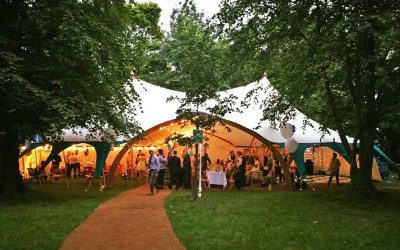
(336, 61)
(188, 60)
(65, 64)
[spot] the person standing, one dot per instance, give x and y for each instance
(205, 162)
(187, 166)
(162, 159)
(278, 171)
(334, 166)
(239, 176)
(55, 163)
(174, 164)
(231, 157)
(140, 164)
(72, 160)
(153, 166)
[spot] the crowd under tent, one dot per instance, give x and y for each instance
(158, 119)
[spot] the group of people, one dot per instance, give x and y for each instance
(239, 167)
(180, 171)
(71, 162)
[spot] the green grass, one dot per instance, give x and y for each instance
(44, 216)
(247, 219)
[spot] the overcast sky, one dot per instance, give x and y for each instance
(209, 7)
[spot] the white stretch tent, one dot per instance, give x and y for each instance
(155, 112)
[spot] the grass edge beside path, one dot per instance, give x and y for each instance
(251, 219)
(43, 217)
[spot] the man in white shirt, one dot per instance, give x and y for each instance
(162, 159)
(73, 164)
(154, 166)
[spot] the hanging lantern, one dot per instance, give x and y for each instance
(291, 145)
(287, 131)
(110, 135)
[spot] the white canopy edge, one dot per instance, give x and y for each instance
(155, 110)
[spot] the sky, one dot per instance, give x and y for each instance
(209, 7)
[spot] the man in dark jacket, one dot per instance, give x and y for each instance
(205, 162)
(174, 165)
(187, 166)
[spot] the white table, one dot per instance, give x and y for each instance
(217, 178)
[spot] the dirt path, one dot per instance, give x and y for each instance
(132, 220)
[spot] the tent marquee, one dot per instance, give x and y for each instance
(156, 113)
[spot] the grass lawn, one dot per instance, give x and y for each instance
(251, 219)
(45, 216)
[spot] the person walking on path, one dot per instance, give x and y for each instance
(163, 164)
(334, 166)
(174, 164)
(154, 166)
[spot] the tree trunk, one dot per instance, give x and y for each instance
(354, 171)
(10, 177)
(368, 118)
(366, 154)
(355, 175)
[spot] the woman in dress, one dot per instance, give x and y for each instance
(141, 164)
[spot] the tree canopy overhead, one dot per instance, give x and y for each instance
(65, 64)
(336, 61)
(189, 59)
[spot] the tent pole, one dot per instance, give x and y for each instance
(36, 158)
(200, 189)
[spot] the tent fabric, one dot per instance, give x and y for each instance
(156, 110)
(102, 150)
(152, 96)
(381, 153)
(29, 148)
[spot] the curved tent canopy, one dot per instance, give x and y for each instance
(155, 111)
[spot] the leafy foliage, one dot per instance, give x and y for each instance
(332, 60)
(65, 64)
(188, 59)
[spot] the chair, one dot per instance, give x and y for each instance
(231, 181)
(205, 183)
(88, 173)
(256, 179)
(37, 178)
(56, 175)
